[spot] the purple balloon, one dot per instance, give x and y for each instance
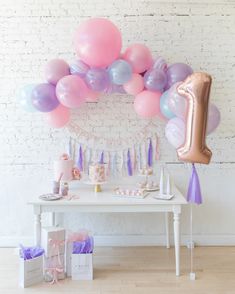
(177, 72)
(112, 88)
(155, 79)
(44, 97)
(160, 63)
(213, 118)
(79, 68)
(97, 79)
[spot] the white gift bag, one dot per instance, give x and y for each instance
(50, 235)
(31, 271)
(54, 268)
(69, 251)
(82, 266)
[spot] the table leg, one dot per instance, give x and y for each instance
(37, 226)
(167, 230)
(177, 242)
(52, 219)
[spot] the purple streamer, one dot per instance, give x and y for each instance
(102, 158)
(194, 191)
(150, 153)
(80, 159)
(129, 164)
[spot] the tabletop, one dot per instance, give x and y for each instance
(84, 195)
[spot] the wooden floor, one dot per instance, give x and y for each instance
(137, 270)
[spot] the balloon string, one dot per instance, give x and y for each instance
(191, 238)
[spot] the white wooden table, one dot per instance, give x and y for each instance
(90, 201)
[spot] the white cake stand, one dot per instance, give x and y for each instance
(97, 185)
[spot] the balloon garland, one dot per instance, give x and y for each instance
(172, 92)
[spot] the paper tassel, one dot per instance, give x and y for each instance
(114, 164)
(80, 159)
(150, 153)
(157, 155)
(139, 158)
(69, 148)
(109, 164)
(129, 164)
(134, 160)
(101, 161)
(194, 191)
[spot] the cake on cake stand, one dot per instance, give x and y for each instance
(97, 185)
(97, 176)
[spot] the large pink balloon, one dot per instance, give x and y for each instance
(139, 56)
(175, 132)
(147, 104)
(213, 118)
(59, 117)
(55, 70)
(135, 85)
(98, 42)
(71, 91)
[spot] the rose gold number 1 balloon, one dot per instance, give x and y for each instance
(196, 88)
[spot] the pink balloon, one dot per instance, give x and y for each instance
(71, 91)
(59, 117)
(98, 42)
(177, 103)
(55, 70)
(147, 104)
(139, 56)
(213, 119)
(135, 85)
(175, 132)
(92, 96)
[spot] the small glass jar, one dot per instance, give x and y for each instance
(64, 189)
(56, 187)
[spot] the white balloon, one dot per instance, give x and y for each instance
(175, 132)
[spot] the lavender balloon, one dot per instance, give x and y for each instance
(177, 72)
(79, 68)
(120, 72)
(213, 119)
(97, 79)
(160, 63)
(112, 88)
(44, 98)
(177, 103)
(155, 79)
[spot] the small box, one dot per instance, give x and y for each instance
(54, 262)
(69, 251)
(82, 266)
(50, 235)
(31, 271)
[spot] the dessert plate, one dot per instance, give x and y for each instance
(163, 197)
(50, 197)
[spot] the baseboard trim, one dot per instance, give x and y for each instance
(134, 240)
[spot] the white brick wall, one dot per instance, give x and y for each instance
(34, 31)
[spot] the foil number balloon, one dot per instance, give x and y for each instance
(196, 88)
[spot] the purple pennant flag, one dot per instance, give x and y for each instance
(80, 159)
(150, 153)
(129, 164)
(102, 158)
(194, 191)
